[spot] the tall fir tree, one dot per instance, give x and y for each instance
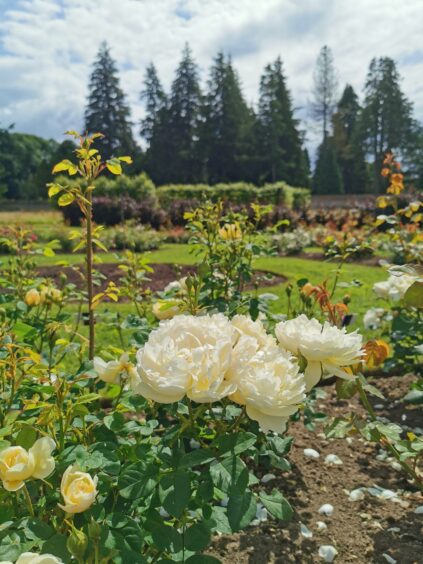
(346, 142)
(107, 111)
(327, 178)
(153, 126)
(278, 135)
(227, 135)
(386, 120)
(181, 124)
(324, 89)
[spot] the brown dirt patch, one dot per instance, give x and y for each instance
(162, 275)
(361, 531)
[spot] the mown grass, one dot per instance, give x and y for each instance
(362, 296)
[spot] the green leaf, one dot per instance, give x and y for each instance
(195, 458)
(241, 510)
(114, 166)
(66, 199)
(220, 517)
(235, 443)
(57, 545)
(53, 189)
(127, 160)
(178, 498)
(345, 389)
(277, 505)
(413, 297)
(197, 537)
(137, 481)
(26, 437)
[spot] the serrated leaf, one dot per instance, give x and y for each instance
(241, 510)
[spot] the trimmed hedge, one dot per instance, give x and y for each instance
(278, 193)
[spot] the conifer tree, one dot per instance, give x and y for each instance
(107, 111)
(327, 177)
(386, 120)
(325, 89)
(155, 101)
(279, 138)
(181, 123)
(349, 153)
(227, 142)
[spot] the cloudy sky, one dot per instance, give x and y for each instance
(47, 48)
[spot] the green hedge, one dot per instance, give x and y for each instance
(237, 193)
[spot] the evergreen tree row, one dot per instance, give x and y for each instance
(211, 136)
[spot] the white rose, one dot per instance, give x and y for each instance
(112, 371)
(78, 490)
(179, 286)
(189, 356)
(326, 348)
(373, 317)
(32, 558)
(268, 380)
(394, 288)
(17, 464)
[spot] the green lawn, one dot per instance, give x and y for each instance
(362, 297)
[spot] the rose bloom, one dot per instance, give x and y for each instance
(374, 316)
(394, 288)
(32, 298)
(32, 558)
(17, 464)
(112, 371)
(78, 490)
(326, 348)
(189, 356)
(268, 380)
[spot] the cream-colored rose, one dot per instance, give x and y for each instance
(78, 490)
(189, 356)
(32, 298)
(112, 371)
(32, 558)
(394, 288)
(165, 309)
(267, 379)
(326, 348)
(17, 464)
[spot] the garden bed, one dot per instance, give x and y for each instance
(362, 531)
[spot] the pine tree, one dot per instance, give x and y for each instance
(279, 138)
(227, 134)
(325, 89)
(155, 101)
(327, 177)
(153, 126)
(349, 153)
(386, 120)
(181, 124)
(107, 111)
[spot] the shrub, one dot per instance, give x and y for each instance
(130, 236)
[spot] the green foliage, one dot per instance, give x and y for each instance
(236, 193)
(327, 177)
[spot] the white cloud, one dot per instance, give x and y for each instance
(47, 47)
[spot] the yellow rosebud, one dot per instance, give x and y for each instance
(230, 232)
(32, 298)
(165, 309)
(78, 490)
(17, 464)
(56, 295)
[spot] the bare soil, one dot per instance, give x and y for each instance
(161, 276)
(361, 531)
